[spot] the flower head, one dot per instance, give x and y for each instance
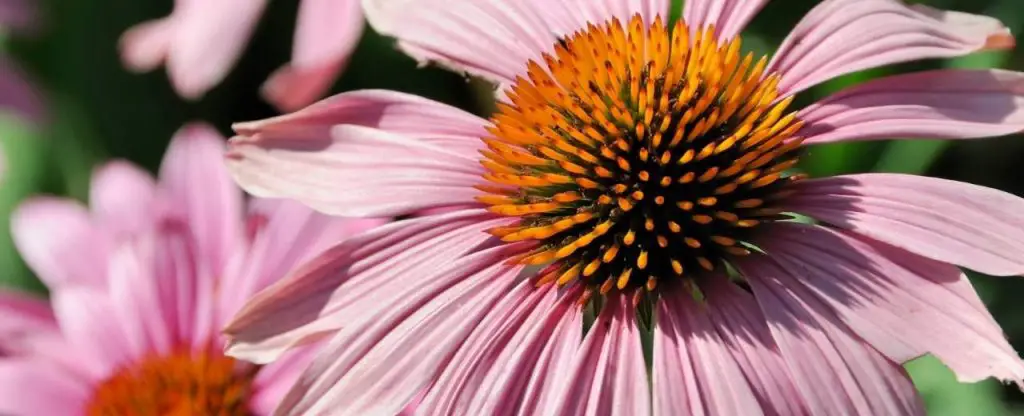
(201, 40)
(140, 284)
(647, 168)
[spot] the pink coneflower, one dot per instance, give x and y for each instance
(140, 284)
(202, 39)
(646, 169)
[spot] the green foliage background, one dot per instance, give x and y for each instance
(100, 111)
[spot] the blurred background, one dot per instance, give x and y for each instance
(96, 111)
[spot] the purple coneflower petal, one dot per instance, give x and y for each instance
(728, 16)
(39, 388)
(199, 185)
(693, 371)
(954, 222)
(535, 360)
(524, 310)
(381, 362)
(944, 104)
(92, 328)
(834, 370)
(146, 317)
(843, 36)
(902, 304)
(59, 241)
(386, 174)
(18, 95)
(208, 40)
(123, 197)
(350, 280)
(144, 47)
(742, 327)
(291, 235)
(326, 34)
(608, 374)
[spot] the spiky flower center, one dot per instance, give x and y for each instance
(638, 155)
(179, 384)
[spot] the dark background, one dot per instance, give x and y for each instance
(99, 111)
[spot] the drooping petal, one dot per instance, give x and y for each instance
(729, 17)
(39, 388)
(60, 242)
(347, 281)
(19, 15)
(199, 186)
(144, 47)
(834, 370)
(326, 34)
(287, 235)
(208, 39)
(274, 380)
(535, 368)
(123, 198)
(953, 222)
(21, 316)
(460, 380)
(390, 111)
(739, 321)
(608, 375)
(493, 39)
(944, 104)
(87, 318)
(356, 171)
(380, 363)
(902, 304)
(693, 370)
(843, 36)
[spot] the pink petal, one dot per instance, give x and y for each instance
(953, 222)
(729, 17)
(144, 47)
(292, 235)
(529, 373)
(738, 319)
(357, 171)
(18, 15)
(493, 39)
(390, 111)
(274, 380)
(348, 280)
(902, 304)
(608, 374)
(59, 241)
(510, 358)
(39, 388)
(841, 36)
(694, 371)
(945, 104)
(834, 370)
(200, 187)
(379, 364)
(326, 34)
(123, 197)
(209, 38)
(85, 317)
(23, 316)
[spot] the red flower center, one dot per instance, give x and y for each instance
(178, 384)
(637, 156)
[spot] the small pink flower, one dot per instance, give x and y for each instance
(141, 282)
(202, 39)
(646, 170)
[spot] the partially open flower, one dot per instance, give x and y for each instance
(141, 283)
(647, 169)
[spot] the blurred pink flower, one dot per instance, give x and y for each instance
(201, 40)
(647, 170)
(140, 284)
(17, 95)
